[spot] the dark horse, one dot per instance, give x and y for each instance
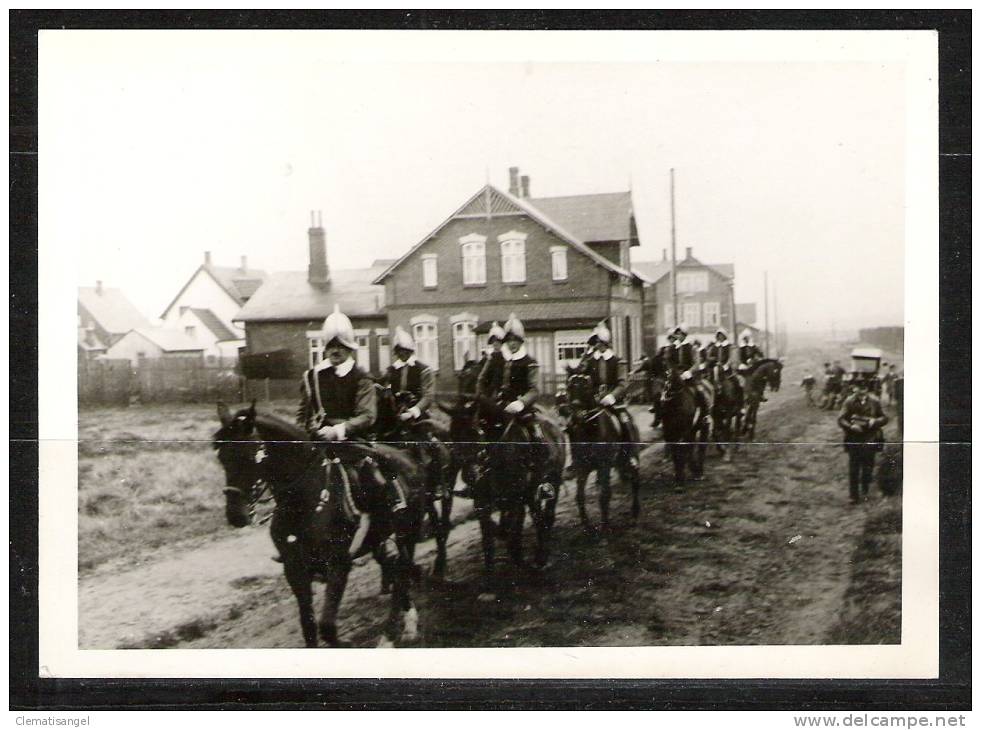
(394, 432)
(758, 376)
(686, 429)
(321, 518)
(597, 444)
(727, 413)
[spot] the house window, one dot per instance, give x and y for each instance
(189, 331)
(464, 343)
(513, 257)
(429, 277)
(473, 250)
(710, 314)
(691, 314)
(315, 349)
(560, 266)
(570, 346)
(384, 350)
(363, 353)
(427, 340)
(690, 282)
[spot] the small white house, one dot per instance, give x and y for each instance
(202, 326)
(147, 343)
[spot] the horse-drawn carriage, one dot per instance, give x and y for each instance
(866, 362)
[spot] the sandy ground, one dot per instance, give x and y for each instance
(759, 552)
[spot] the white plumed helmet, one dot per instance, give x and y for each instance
(496, 333)
(338, 327)
(603, 333)
(404, 340)
(514, 328)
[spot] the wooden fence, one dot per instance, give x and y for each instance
(163, 380)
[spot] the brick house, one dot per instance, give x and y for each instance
(560, 264)
(705, 298)
(287, 312)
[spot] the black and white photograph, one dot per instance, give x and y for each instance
(560, 342)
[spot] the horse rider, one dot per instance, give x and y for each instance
(495, 358)
(836, 382)
(889, 383)
(749, 354)
(808, 385)
(684, 359)
(338, 402)
(407, 375)
(518, 389)
(861, 419)
(718, 354)
(603, 370)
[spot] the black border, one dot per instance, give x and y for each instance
(950, 692)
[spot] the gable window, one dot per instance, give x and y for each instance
(560, 265)
(464, 343)
(513, 257)
(474, 253)
(315, 349)
(690, 282)
(427, 339)
(710, 314)
(189, 331)
(429, 276)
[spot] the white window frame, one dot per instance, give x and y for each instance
(691, 315)
(560, 263)
(430, 271)
(425, 331)
(463, 327)
(566, 341)
(513, 268)
(315, 348)
(711, 314)
(473, 254)
(363, 354)
(384, 349)
(692, 282)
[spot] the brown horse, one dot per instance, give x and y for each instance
(686, 429)
(328, 510)
(727, 413)
(759, 376)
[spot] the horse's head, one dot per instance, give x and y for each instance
(773, 372)
(580, 389)
(238, 449)
(467, 377)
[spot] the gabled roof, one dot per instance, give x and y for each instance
(240, 284)
(168, 340)
(592, 218)
(89, 341)
(111, 309)
(289, 295)
(653, 271)
(491, 201)
(210, 320)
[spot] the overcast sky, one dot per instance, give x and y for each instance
(168, 145)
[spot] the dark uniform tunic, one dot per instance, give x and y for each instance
(519, 380)
(863, 412)
(605, 376)
(416, 379)
(491, 376)
(683, 355)
(331, 399)
(748, 354)
(718, 353)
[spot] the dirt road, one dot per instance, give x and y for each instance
(759, 552)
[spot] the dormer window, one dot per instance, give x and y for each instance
(473, 251)
(429, 273)
(513, 257)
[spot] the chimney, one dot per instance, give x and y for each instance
(318, 274)
(98, 288)
(207, 258)
(513, 185)
(245, 264)
(688, 252)
(525, 186)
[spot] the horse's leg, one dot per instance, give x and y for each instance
(582, 475)
(488, 534)
(299, 579)
(605, 493)
(516, 527)
(403, 620)
(678, 456)
(336, 581)
(443, 533)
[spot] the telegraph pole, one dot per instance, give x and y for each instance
(776, 325)
(766, 315)
(674, 275)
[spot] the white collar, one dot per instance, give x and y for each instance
(721, 344)
(521, 352)
(679, 343)
(606, 354)
(398, 364)
(341, 370)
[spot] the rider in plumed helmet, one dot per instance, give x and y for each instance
(685, 360)
(718, 354)
(338, 398)
(749, 353)
(609, 385)
(492, 373)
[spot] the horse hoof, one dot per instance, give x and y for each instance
(385, 643)
(487, 597)
(410, 624)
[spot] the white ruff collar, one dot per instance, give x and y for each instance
(398, 364)
(520, 353)
(341, 370)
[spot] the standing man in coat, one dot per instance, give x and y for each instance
(861, 419)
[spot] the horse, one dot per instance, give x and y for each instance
(686, 429)
(758, 376)
(321, 518)
(727, 413)
(597, 444)
(434, 455)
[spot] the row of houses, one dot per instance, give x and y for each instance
(561, 264)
